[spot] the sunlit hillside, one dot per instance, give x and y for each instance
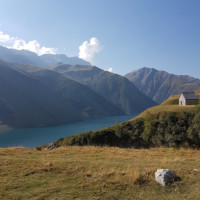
(97, 173)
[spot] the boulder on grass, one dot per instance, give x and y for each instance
(165, 176)
(52, 145)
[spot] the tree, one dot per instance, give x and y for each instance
(118, 131)
(194, 131)
(149, 127)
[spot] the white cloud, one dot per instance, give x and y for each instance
(5, 37)
(33, 46)
(88, 49)
(19, 44)
(109, 69)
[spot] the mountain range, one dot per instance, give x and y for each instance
(28, 57)
(50, 90)
(115, 88)
(159, 85)
(32, 94)
(35, 97)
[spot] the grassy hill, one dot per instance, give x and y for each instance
(96, 173)
(173, 100)
(168, 125)
(170, 105)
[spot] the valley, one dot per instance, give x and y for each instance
(99, 100)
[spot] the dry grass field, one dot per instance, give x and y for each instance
(96, 173)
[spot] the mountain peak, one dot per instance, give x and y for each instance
(115, 88)
(159, 85)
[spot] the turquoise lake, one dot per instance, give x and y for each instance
(37, 136)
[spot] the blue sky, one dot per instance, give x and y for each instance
(130, 34)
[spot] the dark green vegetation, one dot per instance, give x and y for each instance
(28, 57)
(115, 88)
(167, 125)
(87, 173)
(34, 97)
(159, 85)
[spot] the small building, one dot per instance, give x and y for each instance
(188, 98)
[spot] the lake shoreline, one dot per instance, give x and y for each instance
(32, 137)
(4, 127)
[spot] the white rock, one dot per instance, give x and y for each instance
(165, 176)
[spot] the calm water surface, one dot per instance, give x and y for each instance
(38, 136)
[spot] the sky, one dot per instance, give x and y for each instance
(116, 35)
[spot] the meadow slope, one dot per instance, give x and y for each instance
(96, 173)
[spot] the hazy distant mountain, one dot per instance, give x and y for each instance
(159, 85)
(33, 97)
(50, 59)
(115, 88)
(28, 57)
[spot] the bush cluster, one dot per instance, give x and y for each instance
(168, 129)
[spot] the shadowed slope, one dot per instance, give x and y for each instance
(115, 88)
(34, 97)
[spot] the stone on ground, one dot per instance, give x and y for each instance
(165, 176)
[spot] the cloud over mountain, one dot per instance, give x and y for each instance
(19, 44)
(5, 37)
(88, 49)
(109, 69)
